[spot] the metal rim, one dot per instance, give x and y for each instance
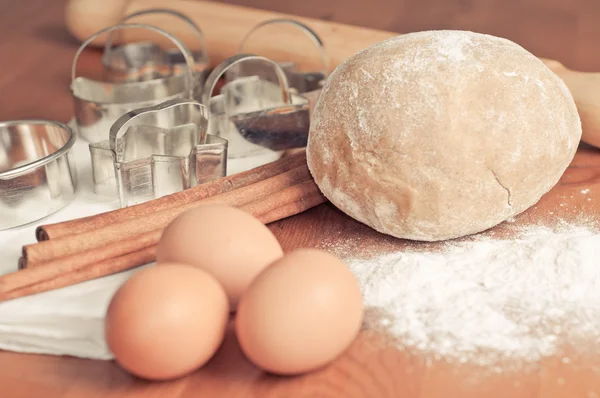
(213, 78)
(175, 13)
(182, 47)
(123, 122)
(304, 28)
(46, 159)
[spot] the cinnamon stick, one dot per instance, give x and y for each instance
(296, 207)
(199, 192)
(49, 250)
(53, 269)
(289, 201)
(104, 268)
(282, 204)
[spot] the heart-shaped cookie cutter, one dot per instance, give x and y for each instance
(99, 104)
(147, 60)
(253, 114)
(156, 151)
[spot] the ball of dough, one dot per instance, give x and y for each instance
(441, 134)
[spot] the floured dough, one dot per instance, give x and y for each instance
(441, 134)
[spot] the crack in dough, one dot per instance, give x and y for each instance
(508, 193)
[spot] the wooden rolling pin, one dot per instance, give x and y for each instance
(225, 26)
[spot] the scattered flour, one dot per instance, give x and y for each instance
(489, 299)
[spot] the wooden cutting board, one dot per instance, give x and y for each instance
(575, 198)
(371, 367)
(34, 84)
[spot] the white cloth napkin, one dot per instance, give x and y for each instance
(68, 321)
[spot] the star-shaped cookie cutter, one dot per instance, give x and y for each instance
(156, 151)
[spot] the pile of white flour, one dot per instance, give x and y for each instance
(489, 299)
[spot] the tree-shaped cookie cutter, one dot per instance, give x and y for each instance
(157, 151)
(99, 104)
(300, 82)
(147, 60)
(256, 115)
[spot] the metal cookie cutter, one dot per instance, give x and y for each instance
(146, 60)
(253, 114)
(99, 104)
(300, 82)
(157, 151)
(38, 175)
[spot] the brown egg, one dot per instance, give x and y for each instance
(165, 322)
(300, 313)
(227, 242)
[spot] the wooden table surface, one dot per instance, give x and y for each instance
(34, 79)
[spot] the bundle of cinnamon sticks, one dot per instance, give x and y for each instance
(87, 248)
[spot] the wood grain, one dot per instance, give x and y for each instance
(37, 55)
(566, 30)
